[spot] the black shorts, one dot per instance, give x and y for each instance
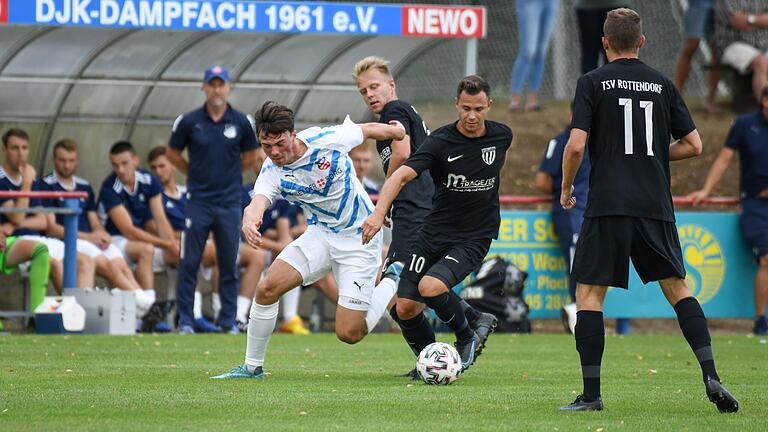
(406, 221)
(754, 225)
(450, 261)
(607, 243)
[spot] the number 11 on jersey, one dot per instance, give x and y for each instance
(647, 107)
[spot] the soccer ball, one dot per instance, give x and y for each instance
(439, 363)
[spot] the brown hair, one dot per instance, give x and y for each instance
(623, 29)
(155, 153)
(472, 85)
(65, 144)
(14, 132)
(371, 62)
(273, 118)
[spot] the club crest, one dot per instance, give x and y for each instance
(489, 155)
(230, 131)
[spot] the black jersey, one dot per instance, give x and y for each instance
(466, 172)
(630, 111)
(420, 190)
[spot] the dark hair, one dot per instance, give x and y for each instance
(14, 132)
(65, 144)
(122, 147)
(623, 29)
(155, 153)
(273, 118)
(472, 85)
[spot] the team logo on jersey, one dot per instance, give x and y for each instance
(142, 198)
(320, 183)
(704, 261)
(323, 164)
(230, 131)
(489, 155)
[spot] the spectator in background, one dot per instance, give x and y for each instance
(749, 137)
(361, 158)
(92, 239)
(220, 142)
(535, 20)
(18, 175)
(128, 200)
(699, 24)
(591, 15)
(741, 37)
(567, 224)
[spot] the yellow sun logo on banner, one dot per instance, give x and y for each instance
(704, 261)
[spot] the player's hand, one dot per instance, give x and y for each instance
(251, 232)
(400, 129)
(28, 174)
(172, 246)
(371, 226)
(698, 196)
(388, 222)
(7, 229)
(567, 200)
(739, 21)
(102, 239)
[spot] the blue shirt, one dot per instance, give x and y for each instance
(280, 208)
(175, 208)
(214, 150)
(552, 164)
(51, 183)
(749, 137)
(7, 184)
(113, 193)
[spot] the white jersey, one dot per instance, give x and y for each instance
(322, 181)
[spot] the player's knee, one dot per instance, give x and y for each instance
(85, 263)
(350, 335)
(267, 291)
(431, 287)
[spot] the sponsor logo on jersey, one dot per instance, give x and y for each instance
(704, 261)
(385, 154)
(453, 158)
(489, 155)
(320, 183)
(230, 131)
(459, 183)
(323, 164)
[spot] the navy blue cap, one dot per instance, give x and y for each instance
(216, 72)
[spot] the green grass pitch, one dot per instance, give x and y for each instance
(160, 382)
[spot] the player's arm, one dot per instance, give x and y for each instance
(252, 219)
(164, 229)
(174, 156)
(380, 131)
(401, 150)
(543, 182)
(740, 21)
(256, 160)
(387, 195)
(714, 175)
(574, 153)
(37, 222)
(122, 220)
(686, 147)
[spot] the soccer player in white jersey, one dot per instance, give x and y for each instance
(312, 169)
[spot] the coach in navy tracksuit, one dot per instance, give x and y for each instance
(220, 142)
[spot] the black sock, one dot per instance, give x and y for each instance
(448, 309)
(590, 343)
(469, 311)
(693, 323)
(416, 331)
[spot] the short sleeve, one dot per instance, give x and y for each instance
(680, 117)
(109, 198)
(155, 187)
(583, 104)
(90, 203)
(398, 113)
(179, 134)
(734, 138)
(268, 182)
(550, 163)
(39, 186)
(249, 141)
(341, 137)
(425, 156)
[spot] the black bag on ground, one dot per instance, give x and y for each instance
(497, 288)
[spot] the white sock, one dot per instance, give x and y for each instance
(197, 307)
(243, 305)
(260, 328)
(151, 295)
(215, 303)
(291, 303)
(143, 303)
(382, 295)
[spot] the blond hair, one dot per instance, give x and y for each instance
(371, 62)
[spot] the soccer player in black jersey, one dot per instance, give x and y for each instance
(412, 204)
(464, 159)
(628, 111)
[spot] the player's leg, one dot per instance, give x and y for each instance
(252, 262)
(226, 235)
(761, 295)
(754, 229)
(193, 241)
(20, 250)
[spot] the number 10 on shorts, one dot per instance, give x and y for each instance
(417, 263)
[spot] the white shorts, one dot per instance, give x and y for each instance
(739, 55)
(354, 265)
(93, 251)
(55, 246)
(158, 262)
